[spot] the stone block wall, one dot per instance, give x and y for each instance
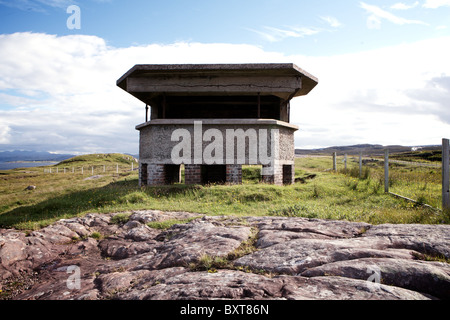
(192, 174)
(156, 145)
(234, 174)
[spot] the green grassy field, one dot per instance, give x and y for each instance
(330, 195)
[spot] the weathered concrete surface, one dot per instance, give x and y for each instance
(291, 258)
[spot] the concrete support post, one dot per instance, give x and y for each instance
(360, 165)
(234, 174)
(445, 175)
(193, 174)
(386, 171)
(334, 162)
(273, 174)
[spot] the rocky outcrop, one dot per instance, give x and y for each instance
(101, 257)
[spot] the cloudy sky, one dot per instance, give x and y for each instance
(383, 66)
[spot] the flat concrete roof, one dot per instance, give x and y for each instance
(282, 79)
(218, 122)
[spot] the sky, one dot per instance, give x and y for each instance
(383, 66)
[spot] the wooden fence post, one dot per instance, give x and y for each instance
(334, 162)
(345, 162)
(445, 175)
(386, 171)
(360, 165)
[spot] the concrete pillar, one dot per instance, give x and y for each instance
(273, 174)
(193, 174)
(156, 174)
(234, 174)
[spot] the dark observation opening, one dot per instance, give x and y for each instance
(144, 174)
(220, 107)
(172, 173)
(287, 174)
(214, 174)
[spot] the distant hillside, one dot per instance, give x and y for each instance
(366, 149)
(9, 156)
(102, 158)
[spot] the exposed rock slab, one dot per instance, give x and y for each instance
(293, 258)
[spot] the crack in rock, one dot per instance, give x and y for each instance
(290, 258)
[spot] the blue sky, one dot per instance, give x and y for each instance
(383, 66)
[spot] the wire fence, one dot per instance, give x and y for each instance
(92, 169)
(424, 183)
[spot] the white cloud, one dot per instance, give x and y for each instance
(367, 97)
(404, 6)
(5, 135)
(273, 34)
(36, 5)
(62, 93)
(434, 4)
(376, 15)
(332, 21)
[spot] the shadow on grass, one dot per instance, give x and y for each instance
(120, 196)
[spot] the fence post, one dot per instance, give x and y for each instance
(360, 165)
(104, 168)
(386, 171)
(334, 162)
(445, 175)
(117, 168)
(82, 170)
(345, 162)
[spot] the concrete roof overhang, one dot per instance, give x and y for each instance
(149, 81)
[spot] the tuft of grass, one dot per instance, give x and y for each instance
(166, 224)
(96, 235)
(120, 218)
(210, 263)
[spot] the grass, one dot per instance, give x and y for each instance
(166, 224)
(330, 195)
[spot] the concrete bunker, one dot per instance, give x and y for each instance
(215, 118)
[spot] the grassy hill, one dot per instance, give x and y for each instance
(366, 149)
(329, 195)
(99, 159)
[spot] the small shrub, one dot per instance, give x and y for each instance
(317, 191)
(251, 174)
(135, 197)
(96, 235)
(210, 264)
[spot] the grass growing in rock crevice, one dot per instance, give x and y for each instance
(212, 263)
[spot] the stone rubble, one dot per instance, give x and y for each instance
(291, 258)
